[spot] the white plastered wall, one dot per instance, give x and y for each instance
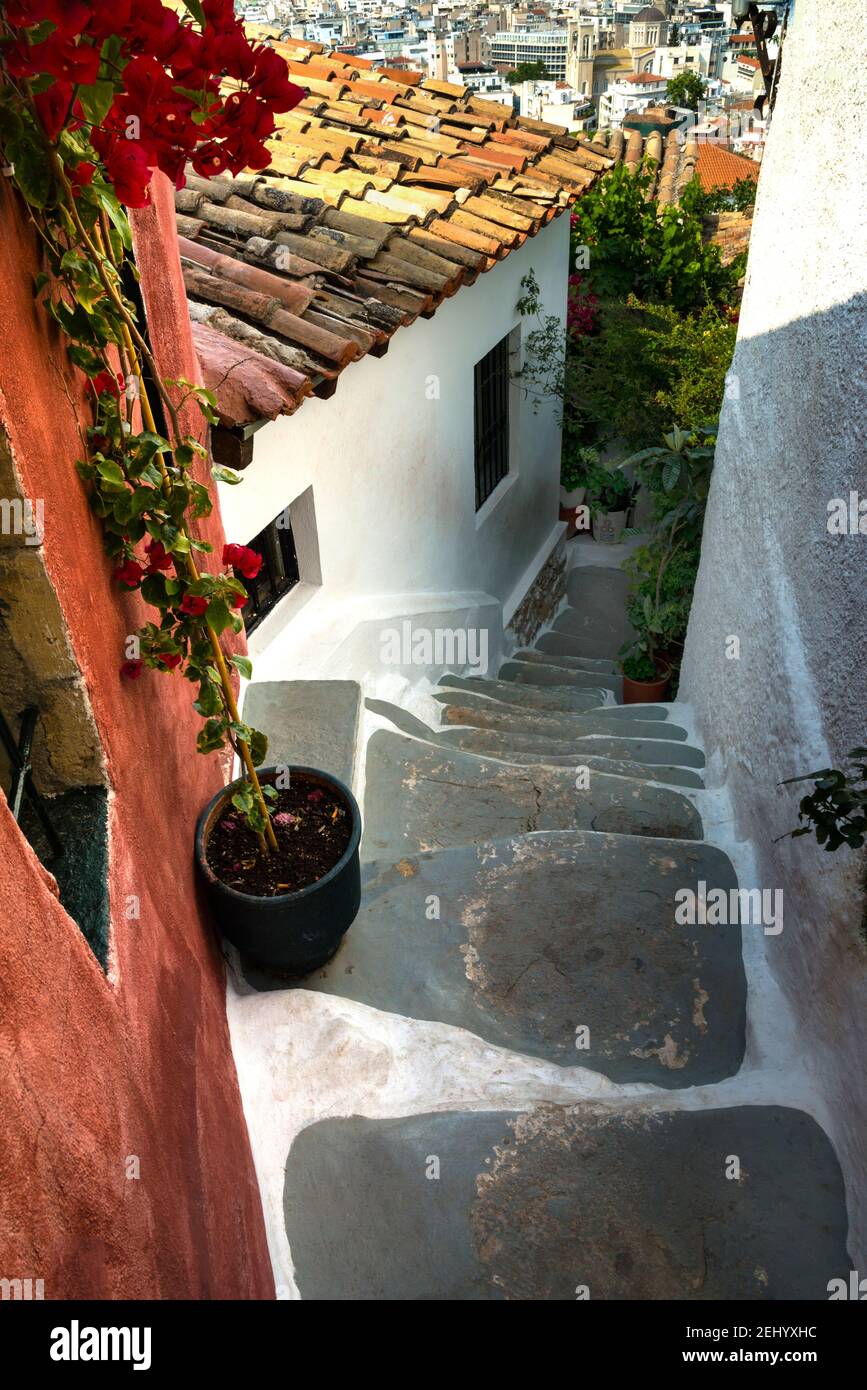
(793, 439)
(389, 459)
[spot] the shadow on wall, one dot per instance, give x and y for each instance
(776, 666)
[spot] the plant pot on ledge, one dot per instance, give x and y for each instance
(318, 826)
(608, 527)
(647, 692)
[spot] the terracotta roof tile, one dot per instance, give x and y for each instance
(387, 191)
(721, 168)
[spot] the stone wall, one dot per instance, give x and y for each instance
(541, 601)
(793, 437)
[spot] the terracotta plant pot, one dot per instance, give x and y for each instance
(293, 933)
(647, 692)
(608, 527)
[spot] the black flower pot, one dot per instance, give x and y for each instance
(292, 933)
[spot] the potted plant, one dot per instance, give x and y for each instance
(645, 674)
(290, 909)
(278, 854)
(609, 492)
(574, 469)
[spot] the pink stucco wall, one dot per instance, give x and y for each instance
(94, 1070)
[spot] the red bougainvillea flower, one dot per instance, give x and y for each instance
(82, 174)
(131, 670)
(105, 382)
(169, 659)
(69, 15)
(65, 59)
(158, 557)
(129, 169)
(194, 606)
(129, 575)
(237, 600)
(53, 107)
(243, 559)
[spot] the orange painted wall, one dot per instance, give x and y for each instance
(94, 1069)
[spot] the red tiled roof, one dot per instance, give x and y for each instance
(387, 191)
(645, 78)
(747, 62)
(719, 168)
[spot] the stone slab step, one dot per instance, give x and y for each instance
(652, 752)
(608, 638)
(559, 697)
(618, 767)
(419, 797)
(535, 748)
(605, 647)
(536, 673)
(459, 707)
(537, 1205)
(538, 936)
(568, 663)
(598, 600)
(311, 723)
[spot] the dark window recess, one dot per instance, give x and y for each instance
(68, 833)
(279, 572)
(491, 420)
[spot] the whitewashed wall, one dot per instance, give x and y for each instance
(391, 469)
(771, 574)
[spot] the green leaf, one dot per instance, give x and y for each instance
(110, 471)
(225, 475)
(209, 701)
(218, 615)
(258, 747)
(153, 590)
(244, 665)
(195, 9)
(96, 100)
(29, 155)
(211, 737)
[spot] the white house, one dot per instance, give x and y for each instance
(557, 103)
(631, 93)
(360, 328)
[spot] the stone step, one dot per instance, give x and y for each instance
(539, 935)
(558, 697)
(310, 723)
(536, 673)
(420, 797)
(631, 758)
(460, 707)
(591, 648)
(618, 767)
(598, 600)
(651, 752)
(552, 1202)
(604, 641)
(568, 663)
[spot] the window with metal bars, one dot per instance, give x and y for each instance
(491, 410)
(279, 572)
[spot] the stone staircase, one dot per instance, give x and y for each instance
(522, 858)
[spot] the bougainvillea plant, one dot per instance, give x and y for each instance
(94, 98)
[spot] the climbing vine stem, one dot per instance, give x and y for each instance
(90, 105)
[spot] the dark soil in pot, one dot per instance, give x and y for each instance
(290, 931)
(313, 827)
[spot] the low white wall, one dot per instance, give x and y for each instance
(771, 574)
(392, 469)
